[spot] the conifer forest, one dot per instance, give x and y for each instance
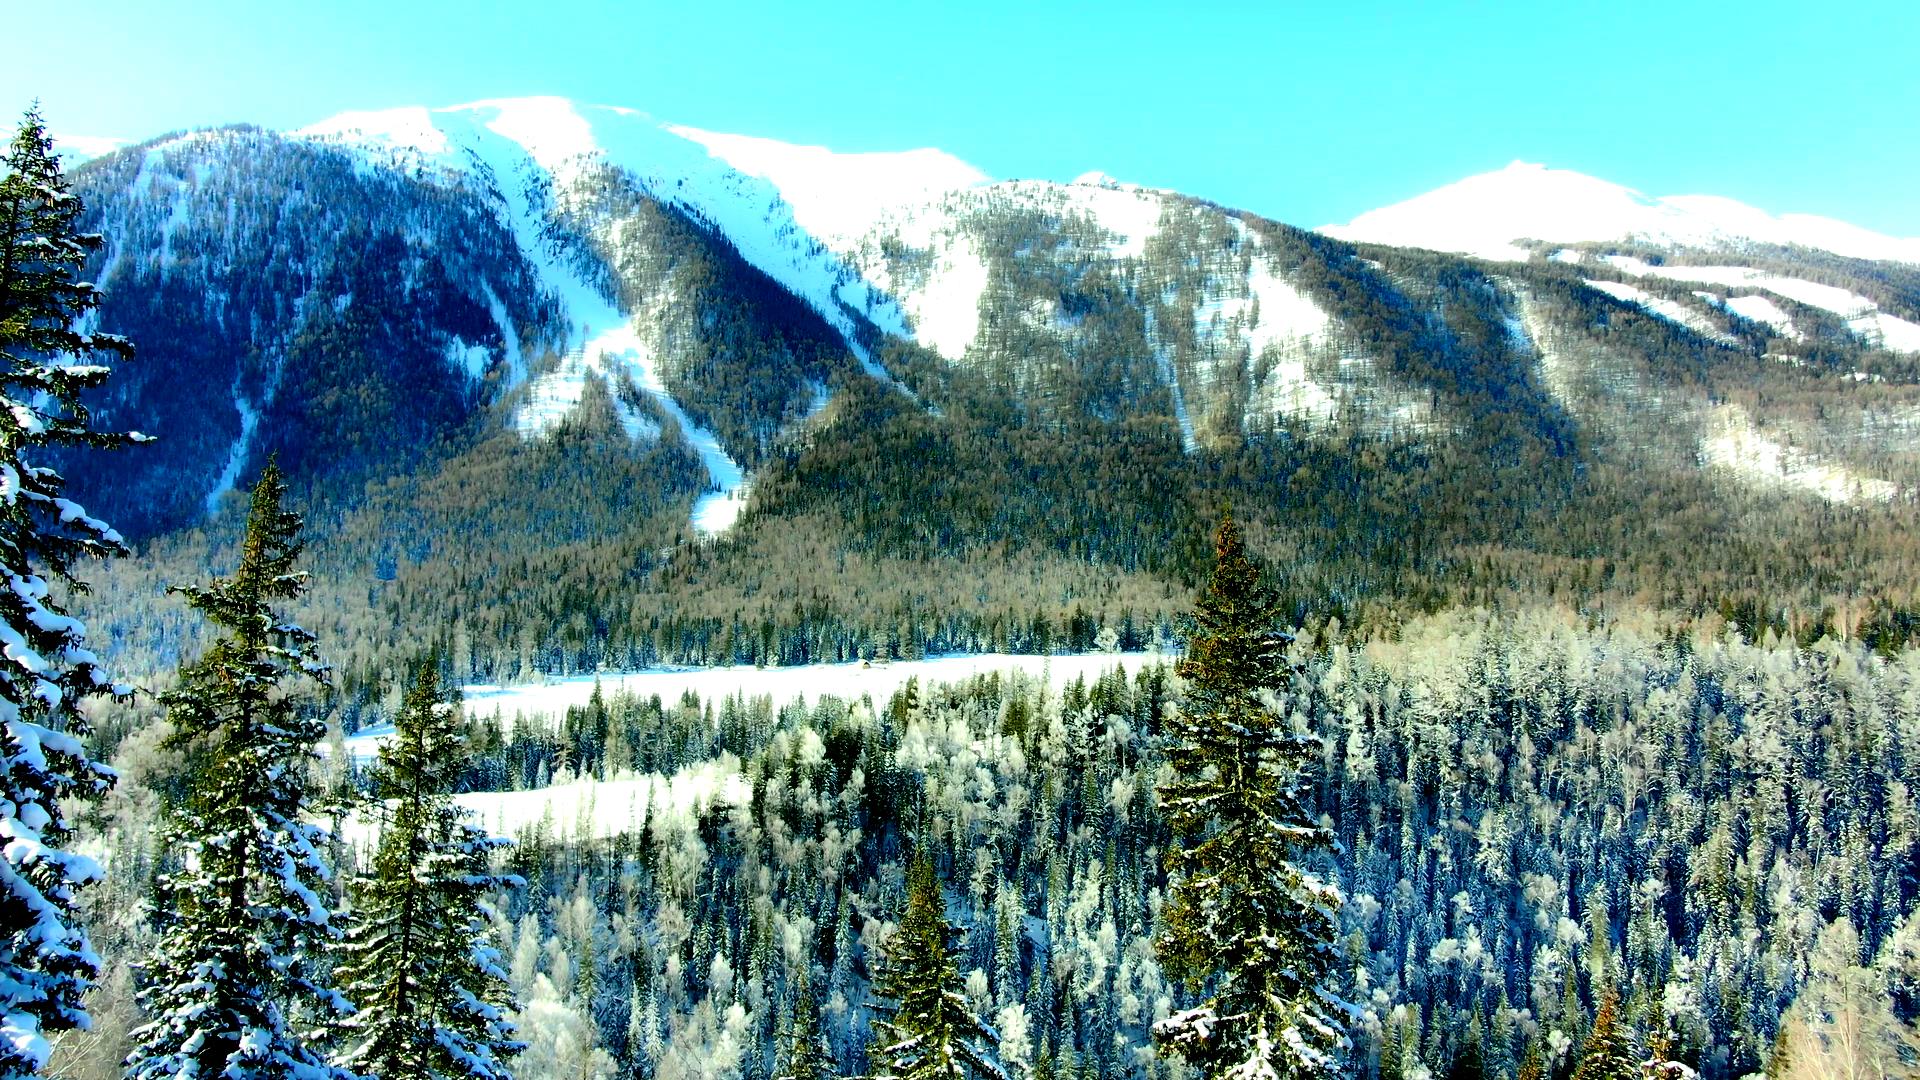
(1237, 653)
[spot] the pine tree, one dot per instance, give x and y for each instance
(1533, 1065)
(47, 359)
(929, 1032)
(417, 960)
(803, 1051)
(245, 914)
(1607, 1053)
(1243, 917)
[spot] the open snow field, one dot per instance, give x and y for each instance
(809, 682)
(596, 809)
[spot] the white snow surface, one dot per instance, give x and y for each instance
(1671, 310)
(589, 809)
(945, 312)
(1485, 215)
(1131, 214)
(1732, 442)
(850, 681)
(237, 456)
(1863, 316)
(840, 197)
(1762, 310)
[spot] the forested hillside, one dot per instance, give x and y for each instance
(1530, 813)
(1591, 753)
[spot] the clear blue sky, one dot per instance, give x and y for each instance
(1306, 114)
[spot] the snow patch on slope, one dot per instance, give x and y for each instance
(838, 197)
(1670, 310)
(807, 683)
(1486, 215)
(1759, 309)
(1132, 215)
(850, 681)
(945, 312)
(565, 141)
(1286, 322)
(514, 147)
(237, 456)
(1733, 443)
(1863, 316)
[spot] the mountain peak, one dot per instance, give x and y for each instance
(1489, 214)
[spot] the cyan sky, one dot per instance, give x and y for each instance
(1308, 114)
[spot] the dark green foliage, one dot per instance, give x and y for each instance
(244, 920)
(1245, 919)
(928, 1033)
(430, 996)
(803, 1053)
(281, 276)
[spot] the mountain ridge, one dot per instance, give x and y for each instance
(1488, 214)
(1009, 405)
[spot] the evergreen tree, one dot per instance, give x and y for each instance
(1533, 1065)
(1243, 917)
(47, 359)
(929, 1033)
(1608, 1053)
(803, 1046)
(418, 962)
(245, 915)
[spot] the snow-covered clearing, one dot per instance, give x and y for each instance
(945, 312)
(597, 809)
(1733, 443)
(838, 197)
(1762, 310)
(1131, 214)
(237, 456)
(808, 683)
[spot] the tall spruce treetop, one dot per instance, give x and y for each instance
(803, 1052)
(46, 360)
(1608, 1053)
(930, 1033)
(245, 915)
(1243, 919)
(418, 959)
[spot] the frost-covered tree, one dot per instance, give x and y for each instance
(930, 1032)
(245, 915)
(417, 960)
(1244, 919)
(47, 359)
(1843, 1024)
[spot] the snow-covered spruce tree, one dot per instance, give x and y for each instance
(1243, 919)
(929, 1032)
(1608, 1052)
(418, 961)
(803, 1053)
(47, 359)
(243, 917)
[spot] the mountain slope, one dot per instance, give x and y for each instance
(525, 355)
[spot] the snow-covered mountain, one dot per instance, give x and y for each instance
(1495, 215)
(727, 290)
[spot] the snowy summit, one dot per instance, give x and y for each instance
(1488, 215)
